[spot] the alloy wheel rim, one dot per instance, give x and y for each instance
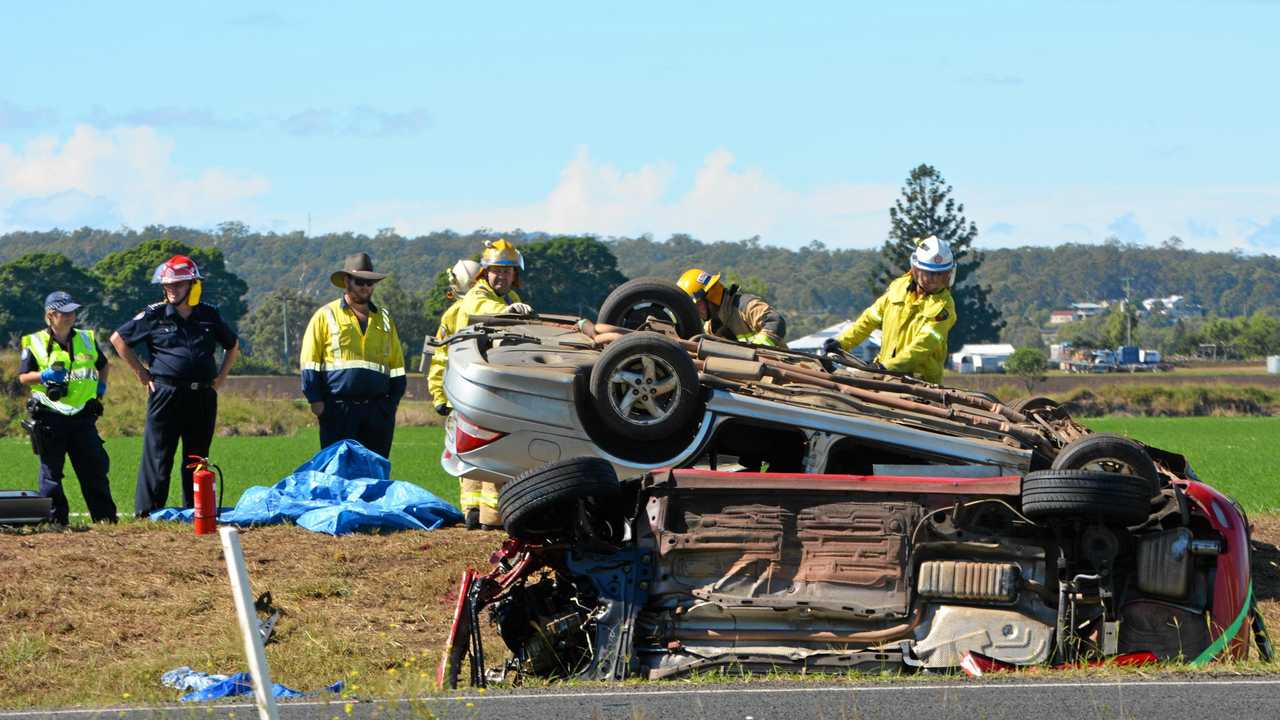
(642, 390)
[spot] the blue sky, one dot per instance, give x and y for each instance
(1054, 122)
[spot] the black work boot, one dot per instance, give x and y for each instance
(472, 521)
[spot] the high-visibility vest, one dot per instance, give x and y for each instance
(82, 375)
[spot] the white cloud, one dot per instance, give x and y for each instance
(724, 202)
(128, 172)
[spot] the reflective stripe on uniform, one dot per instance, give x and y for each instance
(358, 364)
(335, 334)
(488, 499)
(933, 331)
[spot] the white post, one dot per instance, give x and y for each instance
(248, 618)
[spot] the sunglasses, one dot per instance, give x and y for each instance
(360, 282)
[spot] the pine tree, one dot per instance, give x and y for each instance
(927, 208)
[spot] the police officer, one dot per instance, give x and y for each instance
(493, 293)
(353, 363)
(181, 335)
(67, 373)
(914, 315)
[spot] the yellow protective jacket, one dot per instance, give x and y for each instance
(479, 300)
(746, 318)
(914, 329)
(440, 357)
(340, 360)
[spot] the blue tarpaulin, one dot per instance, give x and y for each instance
(344, 488)
(204, 686)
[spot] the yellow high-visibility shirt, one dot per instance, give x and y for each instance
(339, 359)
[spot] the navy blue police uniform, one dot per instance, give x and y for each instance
(72, 436)
(183, 404)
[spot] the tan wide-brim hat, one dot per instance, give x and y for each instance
(360, 266)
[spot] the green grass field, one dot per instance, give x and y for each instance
(245, 462)
(1239, 455)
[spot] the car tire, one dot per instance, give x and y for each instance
(1086, 494)
(635, 301)
(1032, 404)
(1108, 453)
(644, 387)
(542, 503)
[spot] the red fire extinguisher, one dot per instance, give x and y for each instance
(206, 515)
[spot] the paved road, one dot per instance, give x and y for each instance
(1236, 698)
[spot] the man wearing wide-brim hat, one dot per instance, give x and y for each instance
(353, 363)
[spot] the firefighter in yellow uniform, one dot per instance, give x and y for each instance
(461, 278)
(492, 294)
(353, 363)
(914, 316)
(732, 314)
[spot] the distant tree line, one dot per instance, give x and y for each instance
(271, 282)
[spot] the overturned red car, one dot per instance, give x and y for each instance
(924, 567)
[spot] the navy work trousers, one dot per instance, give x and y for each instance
(174, 413)
(75, 436)
(371, 422)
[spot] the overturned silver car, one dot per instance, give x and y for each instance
(821, 515)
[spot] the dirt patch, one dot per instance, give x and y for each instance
(94, 617)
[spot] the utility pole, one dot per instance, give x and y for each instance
(284, 319)
(1128, 332)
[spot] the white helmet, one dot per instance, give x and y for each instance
(933, 255)
(463, 275)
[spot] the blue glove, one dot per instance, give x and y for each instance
(49, 375)
(830, 345)
(102, 388)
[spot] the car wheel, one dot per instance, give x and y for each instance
(1088, 494)
(1109, 454)
(645, 387)
(1032, 404)
(635, 301)
(543, 503)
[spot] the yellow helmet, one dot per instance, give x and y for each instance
(701, 284)
(501, 253)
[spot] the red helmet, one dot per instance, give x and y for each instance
(176, 269)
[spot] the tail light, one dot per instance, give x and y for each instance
(468, 436)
